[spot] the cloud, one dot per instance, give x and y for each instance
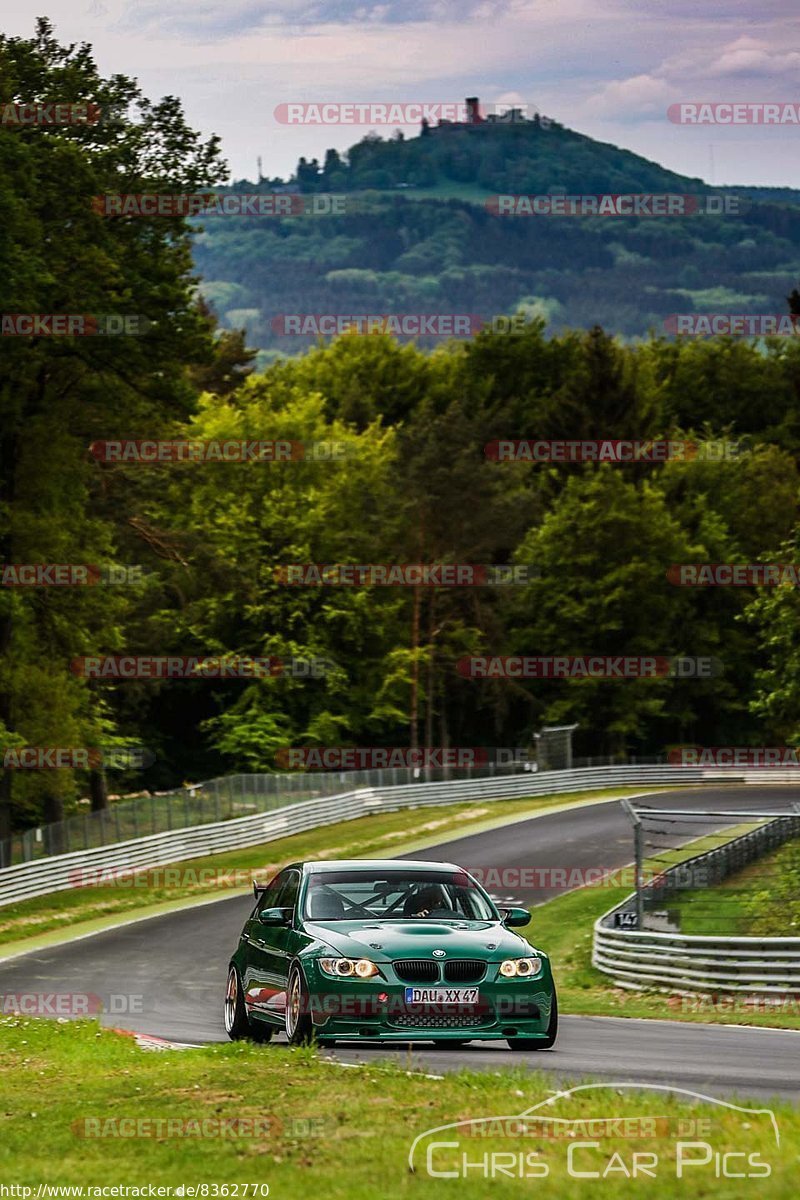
(206, 20)
(750, 58)
(746, 68)
(634, 98)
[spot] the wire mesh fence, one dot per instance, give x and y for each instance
(219, 799)
(242, 795)
(726, 874)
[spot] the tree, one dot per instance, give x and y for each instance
(235, 525)
(773, 618)
(60, 255)
(603, 550)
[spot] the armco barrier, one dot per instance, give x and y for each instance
(60, 872)
(692, 962)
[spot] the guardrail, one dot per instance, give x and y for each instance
(232, 796)
(694, 963)
(641, 958)
(64, 871)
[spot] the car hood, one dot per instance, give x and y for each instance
(387, 940)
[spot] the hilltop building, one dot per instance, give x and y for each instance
(475, 120)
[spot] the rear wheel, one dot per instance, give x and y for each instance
(545, 1043)
(299, 1026)
(236, 1023)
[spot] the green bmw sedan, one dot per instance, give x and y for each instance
(388, 949)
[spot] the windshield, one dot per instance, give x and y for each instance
(396, 895)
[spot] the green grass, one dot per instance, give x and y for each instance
(54, 1077)
(380, 835)
(761, 900)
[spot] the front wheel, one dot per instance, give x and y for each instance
(545, 1043)
(299, 1026)
(236, 1023)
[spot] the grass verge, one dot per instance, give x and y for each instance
(761, 900)
(312, 1124)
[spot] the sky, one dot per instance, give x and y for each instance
(607, 68)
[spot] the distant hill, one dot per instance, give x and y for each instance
(418, 235)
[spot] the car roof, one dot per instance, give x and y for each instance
(370, 865)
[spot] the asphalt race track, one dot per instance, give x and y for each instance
(175, 966)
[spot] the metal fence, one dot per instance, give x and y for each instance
(271, 821)
(695, 963)
(225, 799)
(640, 957)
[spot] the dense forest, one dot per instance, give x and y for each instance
(408, 479)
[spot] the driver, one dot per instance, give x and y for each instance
(423, 903)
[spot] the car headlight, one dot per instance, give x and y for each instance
(520, 968)
(349, 968)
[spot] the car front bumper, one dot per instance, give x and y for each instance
(378, 1009)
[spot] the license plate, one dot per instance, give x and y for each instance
(440, 995)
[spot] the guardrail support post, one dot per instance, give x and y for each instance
(633, 817)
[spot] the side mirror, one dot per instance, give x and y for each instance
(513, 917)
(274, 916)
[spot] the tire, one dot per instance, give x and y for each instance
(237, 1025)
(545, 1043)
(299, 1026)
